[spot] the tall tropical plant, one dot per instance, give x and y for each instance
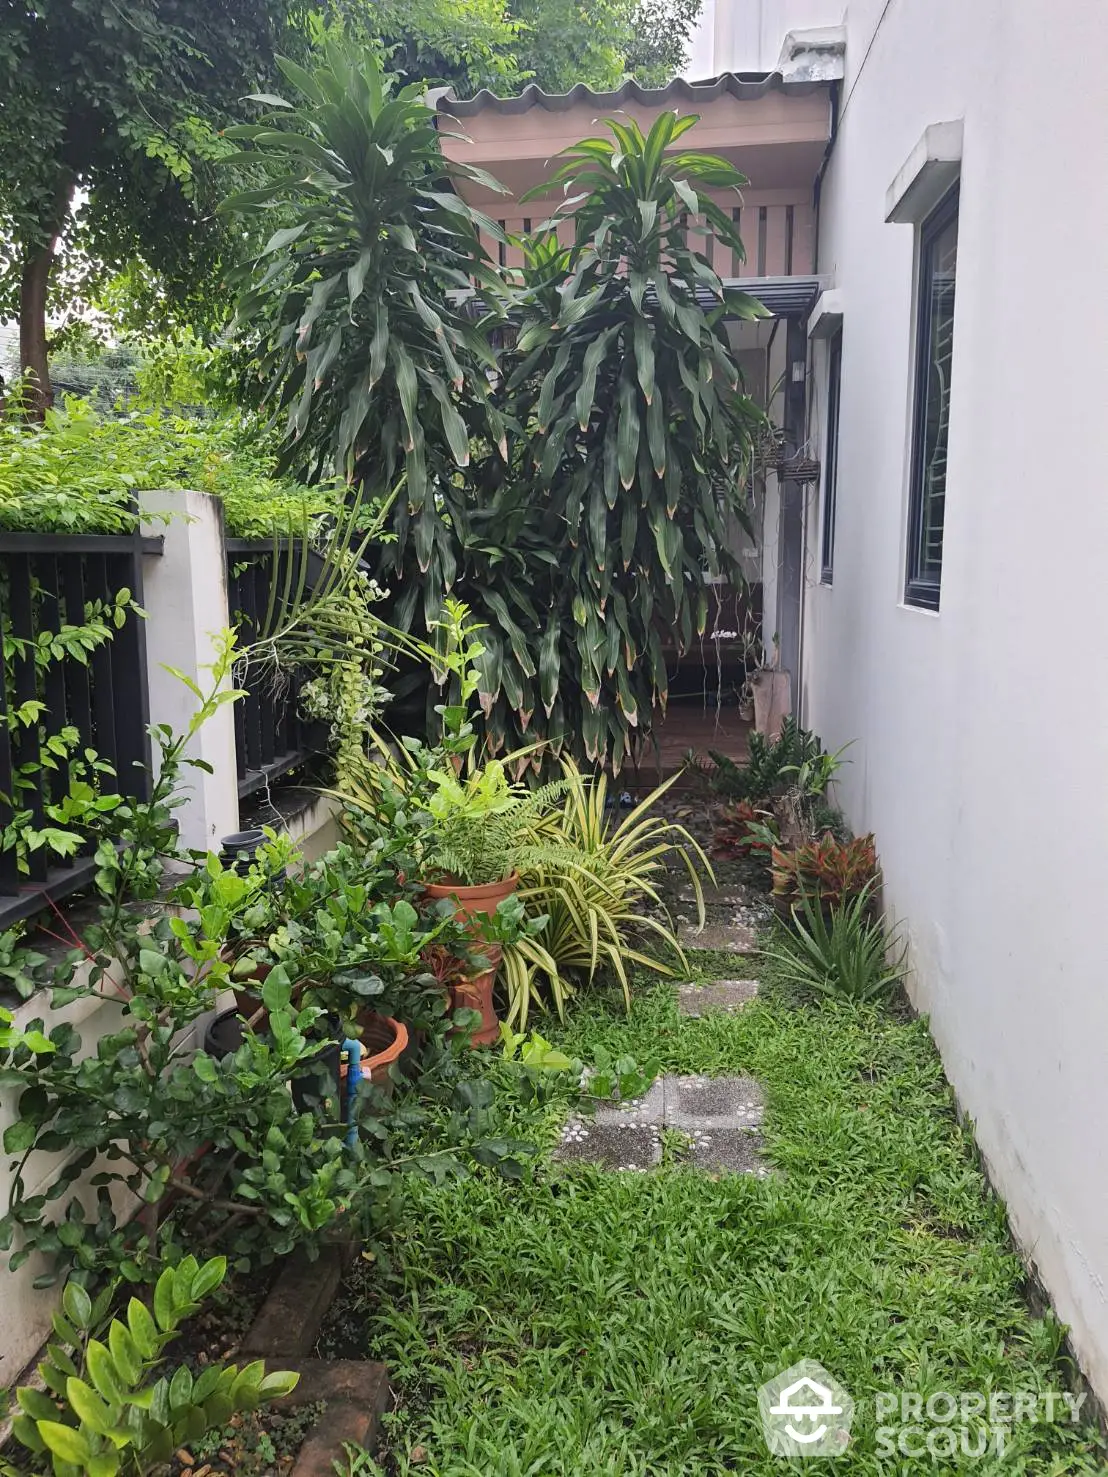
(636, 441)
(380, 373)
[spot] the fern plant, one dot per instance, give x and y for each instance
(841, 952)
(483, 823)
(596, 882)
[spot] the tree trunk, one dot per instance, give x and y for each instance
(33, 359)
(34, 287)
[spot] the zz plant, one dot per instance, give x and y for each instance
(109, 1407)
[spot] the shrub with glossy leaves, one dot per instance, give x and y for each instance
(109, 1405)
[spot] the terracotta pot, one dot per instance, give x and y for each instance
(472, 901)
(383, 1040)
(476, 994)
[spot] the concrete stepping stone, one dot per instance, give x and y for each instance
(728, 1151)
(625, 1145)
(709, 1104)
(726, 996)
(728, 938)
(647, 1109)
(720, 1116)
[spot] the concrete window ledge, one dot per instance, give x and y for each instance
(827, 316)
(927, 174)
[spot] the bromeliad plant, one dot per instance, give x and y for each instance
(743, 832)
(109, 1405)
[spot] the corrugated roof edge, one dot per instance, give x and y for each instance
(743, 85)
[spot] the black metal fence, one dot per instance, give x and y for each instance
(271, 738)
(46, 585)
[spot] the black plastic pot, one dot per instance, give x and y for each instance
(224, 1033)
(241, 847)
(317, 1077)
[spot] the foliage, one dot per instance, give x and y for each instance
(579, 494)
(237, 1160)
(879, 1245)
(633, 452)
(108, 1407)
(467, 820)
(741, 833)
(51, 765)
(505, 44)
(662, 30)
(123, 103)
(771, 763)
(481, 822)
(828, 871)
(595, 881)
(79, 471)
(20, 966)
(542, 1068)
(377, 371)
(841, 951)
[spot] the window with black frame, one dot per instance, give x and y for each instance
(831, 458)
(934, 356)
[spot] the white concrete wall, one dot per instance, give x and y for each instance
(746, 35)
(982, 730)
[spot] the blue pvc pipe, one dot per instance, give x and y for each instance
(352, 1049)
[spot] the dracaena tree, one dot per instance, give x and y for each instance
(636, 436)
(575, 489)
(380, 372)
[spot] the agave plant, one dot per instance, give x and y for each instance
(841, 952)
(594, 878)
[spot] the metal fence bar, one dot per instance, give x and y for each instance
(270, 738)
(46, 584)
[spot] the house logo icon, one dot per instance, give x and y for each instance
(805, 1412)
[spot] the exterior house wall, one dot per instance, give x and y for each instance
(980, 729)
(746, 35)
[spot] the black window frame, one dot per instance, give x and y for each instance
(923, 581)
(831, 458)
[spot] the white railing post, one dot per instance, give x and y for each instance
(185, 597)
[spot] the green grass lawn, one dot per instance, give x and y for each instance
(585, 1323)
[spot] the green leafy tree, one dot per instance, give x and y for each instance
(505, 44)
(116, 107)
(660, 34)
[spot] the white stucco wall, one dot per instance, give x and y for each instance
(981, 731)
(746, 35)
